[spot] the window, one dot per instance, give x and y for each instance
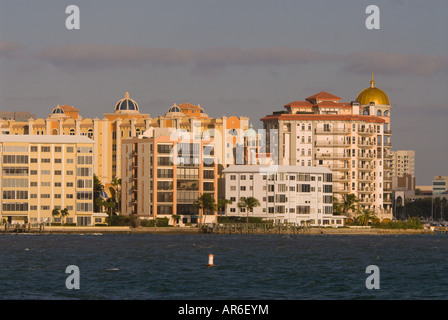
(45, 149)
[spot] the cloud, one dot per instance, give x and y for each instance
(395, 63)
(212, 60)
(87, 56)
(10, 50)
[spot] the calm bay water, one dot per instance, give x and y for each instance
(246, 266)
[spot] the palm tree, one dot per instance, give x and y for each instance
(222, 204)
(248, 203)
(349, 202)
(115, 189)
(205, 202)
(55, 213)
(64, 213)
(337, 207)
(98, 188)
(365, 217)
(175, 217)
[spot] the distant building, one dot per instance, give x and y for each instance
(403, 163)
(16, 115)
(42, 173)
(291, 194)
(440, 185)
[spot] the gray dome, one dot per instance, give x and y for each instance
(126, 104)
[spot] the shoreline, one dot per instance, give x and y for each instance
(190, 230)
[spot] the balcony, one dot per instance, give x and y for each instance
(366, 168)
(332, 156)
(325, 143)
(388, 132)
(366, 144)
(343, 178)
(366, 190)
(332, 131)
(366, 156)
(366, 201)
(366, 178)
(337, 189)
(366, 131)
(339, 167)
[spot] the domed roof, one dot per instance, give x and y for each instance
(174, 108)
(57, 110)
(372, 94)
(127, 105)
(250, 133)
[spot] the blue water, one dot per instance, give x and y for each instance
(246, 266)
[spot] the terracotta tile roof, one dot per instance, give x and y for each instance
(299, 104)
(328, 117)
(323, 96)
(334, 104)
(188, 106)
(68, 108)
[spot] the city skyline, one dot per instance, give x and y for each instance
(246, 59)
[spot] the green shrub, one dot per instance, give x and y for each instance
(233, 219)
(411, 223)
(159, 222)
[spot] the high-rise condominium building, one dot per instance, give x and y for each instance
(352, 139)
(165, 173)
(42, 173)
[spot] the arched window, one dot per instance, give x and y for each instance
(386, 113)
(366, 111)
(233, 132)
(72, 132)
(90, 133)
(378, 113)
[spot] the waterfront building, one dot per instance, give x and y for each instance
(127, 121)
(43, 172)
(440, 185)
(352, 139)
(287, 194)
(165, 172)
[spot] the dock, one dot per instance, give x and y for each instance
(23, 228)
(441, 230)
(253, 228)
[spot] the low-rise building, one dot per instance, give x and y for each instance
(287, 194)
(41, 173)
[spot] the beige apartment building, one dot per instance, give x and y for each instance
(352, 139)
(164, 174)
(43, 172)
(403, 163)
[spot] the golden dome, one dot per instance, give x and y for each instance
(372, 94)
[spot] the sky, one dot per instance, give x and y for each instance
(233, 57)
